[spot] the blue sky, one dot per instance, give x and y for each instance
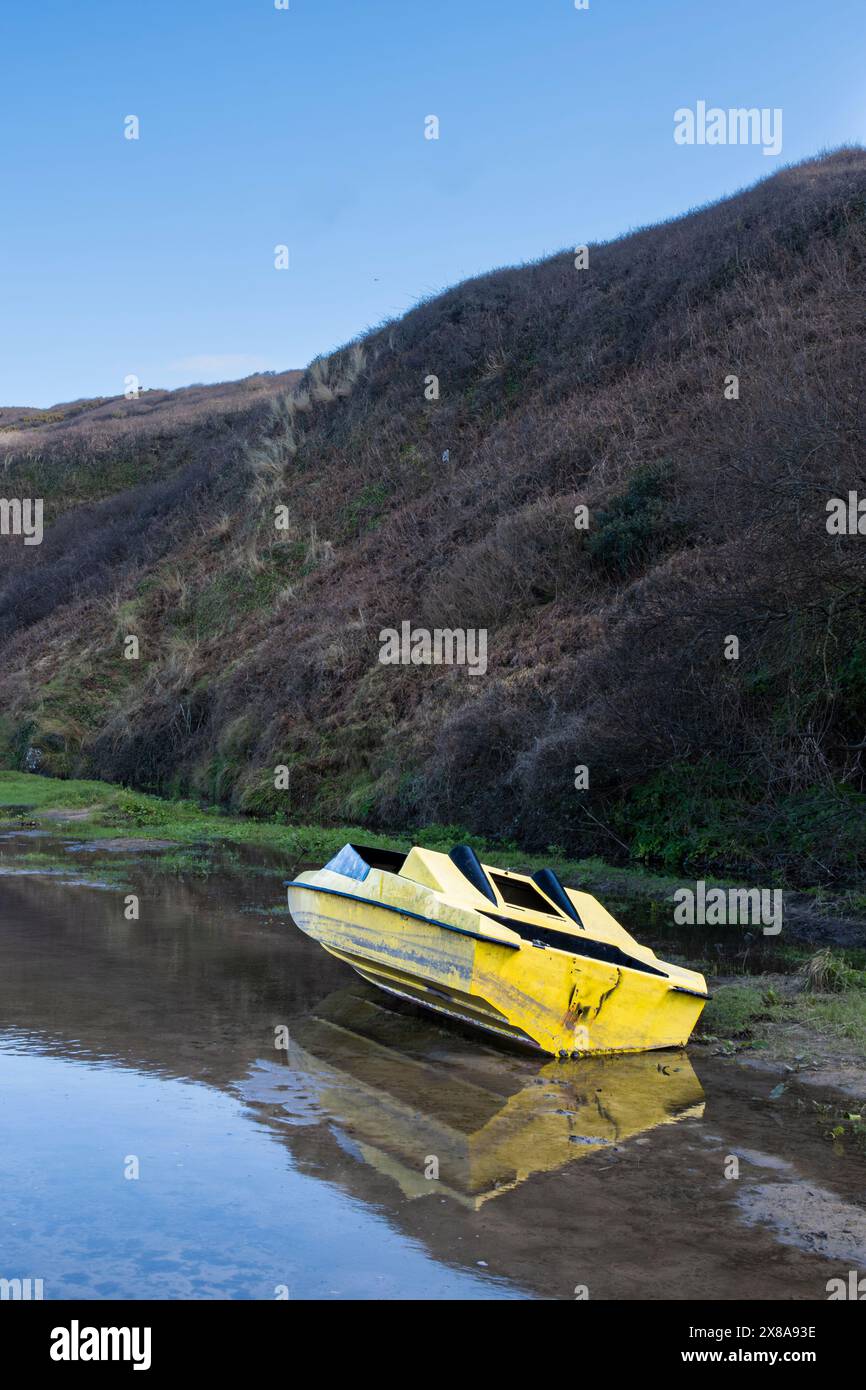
(305, 127)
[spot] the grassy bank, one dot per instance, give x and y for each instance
(771, 1013)
(100, 810)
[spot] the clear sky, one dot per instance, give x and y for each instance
(305, 127)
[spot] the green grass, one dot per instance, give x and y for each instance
(119, 812)
(44, 793)
(364, 511)
(87, 477)
(735, 1011)
(842, 1016)
(230, 595)
(113, 873)
(751, 1014)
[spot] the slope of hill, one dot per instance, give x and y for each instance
(609, 647)
(152, 411)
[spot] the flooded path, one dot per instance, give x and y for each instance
(150, 1046)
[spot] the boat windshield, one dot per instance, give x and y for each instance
(356, 861)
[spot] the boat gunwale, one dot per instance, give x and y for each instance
(638, 968)
(405, 912)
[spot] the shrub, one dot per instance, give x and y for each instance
(635, 527)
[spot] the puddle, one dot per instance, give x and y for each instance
(381, 1153)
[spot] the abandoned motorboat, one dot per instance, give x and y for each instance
(521, 956)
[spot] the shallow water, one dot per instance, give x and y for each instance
(310, 1169)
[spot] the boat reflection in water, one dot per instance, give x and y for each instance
(409, 1098)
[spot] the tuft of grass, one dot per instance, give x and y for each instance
(829, 973)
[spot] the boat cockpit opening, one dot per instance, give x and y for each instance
(516, 892)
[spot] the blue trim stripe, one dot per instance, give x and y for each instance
(403, 912)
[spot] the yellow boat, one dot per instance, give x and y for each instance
(523, 957)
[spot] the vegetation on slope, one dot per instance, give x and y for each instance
(558, 388)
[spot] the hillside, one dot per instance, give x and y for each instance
(559, 387)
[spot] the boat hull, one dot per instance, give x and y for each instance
(551, 1000)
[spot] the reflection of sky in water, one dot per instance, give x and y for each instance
(218, 1212)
